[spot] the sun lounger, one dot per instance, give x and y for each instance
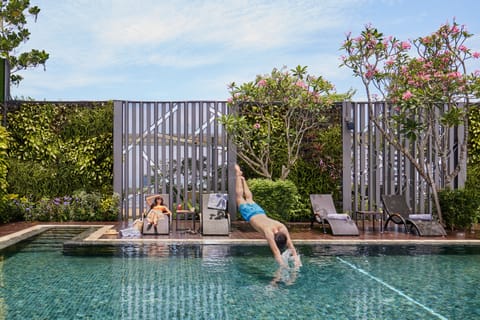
(399, 212)
(163, 226)
(324, 212)
(214, 218)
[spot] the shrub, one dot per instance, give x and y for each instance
(280, 199)
(460, 208)
(81, 206)
(14, 209)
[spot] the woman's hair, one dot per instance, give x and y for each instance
(154, 203)
(281, 240)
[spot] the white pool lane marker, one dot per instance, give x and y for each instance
(439, 316)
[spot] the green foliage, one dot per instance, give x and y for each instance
(474, 136)
(280, 199)
(460, 208)
(14, 209)
(57, 149)
(81, 206)
(473, 176)
(319, 169)
(274, 113)
(4, 142)
(13, 34)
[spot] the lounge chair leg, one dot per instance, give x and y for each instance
(386, 224)
(323, 225)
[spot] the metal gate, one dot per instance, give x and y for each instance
(178, 148)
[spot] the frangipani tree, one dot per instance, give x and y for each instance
(429, 93)
(273, 113)
(13, 32)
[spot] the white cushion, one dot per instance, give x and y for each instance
(338, 216)
(426, 217)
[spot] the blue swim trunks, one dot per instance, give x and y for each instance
(248, 210)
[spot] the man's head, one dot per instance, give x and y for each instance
(280, 240)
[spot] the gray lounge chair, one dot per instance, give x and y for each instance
(324, 212)
(399, 212)
(163, 226)
(214, 218)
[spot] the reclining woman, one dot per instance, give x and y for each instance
(275, 232)
(157, 212)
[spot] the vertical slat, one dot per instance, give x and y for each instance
(201, 146)
(171, 151)
(223, 140)
(194, 146)
(133, 172)
(362, 157)
(232, 159)
(141, 150)
(347, 115)
(355, 154)
(208, 146)
(118, 129)
(178, 148)
(129, 197)
(164, 171)
(186, 153)
(148, 138)
(377, 160)
(215, 177)
(155, 147)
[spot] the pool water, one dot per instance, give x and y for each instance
(41, 280)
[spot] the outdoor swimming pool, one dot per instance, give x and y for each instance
(157, 281)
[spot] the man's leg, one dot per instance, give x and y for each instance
(239, 189)
(246, 192)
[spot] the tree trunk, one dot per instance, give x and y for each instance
(432, 184)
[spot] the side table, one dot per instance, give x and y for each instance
(372, 214)
(187, 214)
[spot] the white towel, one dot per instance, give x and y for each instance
(426, 217)
(338, 216)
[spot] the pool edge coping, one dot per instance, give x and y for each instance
(94, 238)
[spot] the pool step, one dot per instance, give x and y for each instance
(52, 239)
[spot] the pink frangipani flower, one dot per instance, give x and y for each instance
(262, 83)
(301, 84)
(406, 45)
(407, 95)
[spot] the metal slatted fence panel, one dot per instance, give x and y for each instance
(372, 167)
(177, 148)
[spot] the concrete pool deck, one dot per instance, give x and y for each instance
(242, 233)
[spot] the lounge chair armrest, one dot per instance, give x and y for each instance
(321, 212)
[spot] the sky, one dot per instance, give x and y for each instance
(157, 50)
